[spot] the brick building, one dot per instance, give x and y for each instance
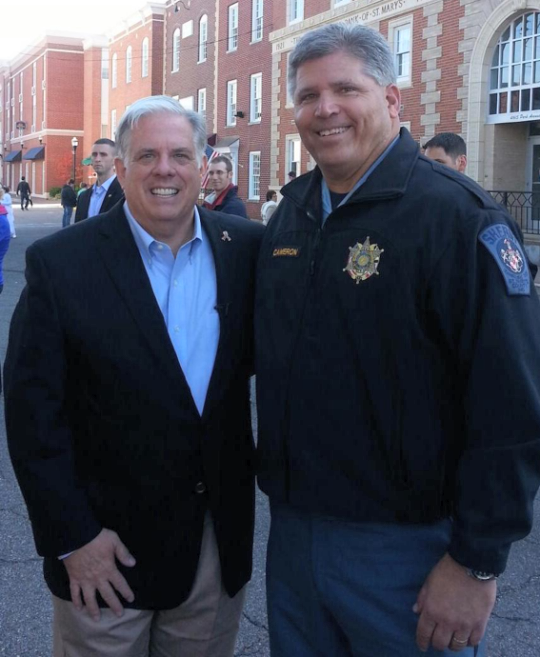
(467, 66)
(42, 108)
(218, 62)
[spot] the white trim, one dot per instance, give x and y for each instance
(233, 20)
(394, 26)
(255, 98)
(254, 182)
(230, 119)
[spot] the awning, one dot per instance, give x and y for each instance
(224, 144)
(37, 153)
(12, 156)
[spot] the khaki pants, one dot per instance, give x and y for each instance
(205, 625)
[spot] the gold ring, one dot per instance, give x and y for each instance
(460, 641)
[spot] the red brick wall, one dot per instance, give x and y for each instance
(239, 65)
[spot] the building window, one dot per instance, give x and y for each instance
(203, 38)
(129, 63)
(255, 176)
(187, 102)
(176, 50)
(201, 102)
(255, 98)
(338, 3)
(256, 20)
(402, 51)
(515, 71)
(145, 57)
(231, 102)
(292, 155)
(289, 101)
(114, 71)
(187, 29)
(113, 124)
(296, 10)
(232, 41)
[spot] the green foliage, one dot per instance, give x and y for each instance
(54, 192)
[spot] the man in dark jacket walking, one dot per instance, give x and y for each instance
(398, 377)
(68, 200)
(224, 196)
(24, 191)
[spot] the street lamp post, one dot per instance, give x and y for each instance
(74, 144)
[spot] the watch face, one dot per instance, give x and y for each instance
(481, 575)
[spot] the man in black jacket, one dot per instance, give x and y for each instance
(68, 200)
(127, 406)
(24, 191)
(398, 377)
(224, 195)
(106, 191)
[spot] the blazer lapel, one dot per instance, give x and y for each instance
(123, 261)
(224, 262)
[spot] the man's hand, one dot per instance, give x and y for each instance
(454, 608)
(93, 568)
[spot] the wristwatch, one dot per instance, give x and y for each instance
(480, 575)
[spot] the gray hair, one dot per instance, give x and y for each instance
(364, 43)
(158, 105)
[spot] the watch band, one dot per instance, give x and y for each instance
(480, 575)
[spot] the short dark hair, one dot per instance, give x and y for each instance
(71, 181)
(451, 143)
(292, 174)
(104, 140)
(6, 189)
(226, 161)
(269, 194)
(23, 178)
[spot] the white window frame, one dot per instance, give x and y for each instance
(187, 29)
(257, 13)
(340, 3)
(255, 98)
(114, 71)
(232, 28)
(232, 97)
(254, 176)
(187, 102)
(145, 59)
(394, 28)
(295, 11)
(113, 124)
(203, 39)
(129, 64)
(201, 101)
(176, 51)
(292, 143)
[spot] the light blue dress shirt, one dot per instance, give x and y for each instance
(98, 196)
(185, 288)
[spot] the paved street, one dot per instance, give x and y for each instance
(24, 602)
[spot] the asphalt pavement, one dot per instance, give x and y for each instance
(25, 609)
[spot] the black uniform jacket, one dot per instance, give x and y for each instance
(113, 195)
(398, 379)
(102, 428)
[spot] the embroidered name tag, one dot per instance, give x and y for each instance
(508, 254)
(286, 252)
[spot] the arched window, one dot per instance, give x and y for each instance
(515, 70)
(203, 38)
(176, 50)
(129, 63)
(114, 71)
(145, 55)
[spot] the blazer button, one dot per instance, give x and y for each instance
(200, 488)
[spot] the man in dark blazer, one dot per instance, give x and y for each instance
(106, 191)
(127, 406)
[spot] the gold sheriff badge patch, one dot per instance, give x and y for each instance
(363, 261)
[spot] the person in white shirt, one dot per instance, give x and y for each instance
(8, 202)
(268, 208)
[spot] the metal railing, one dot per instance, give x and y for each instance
(523, 206)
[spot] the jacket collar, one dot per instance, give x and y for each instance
(389, 180)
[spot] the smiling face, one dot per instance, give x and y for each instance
(344, 117)
(218, 176)
(160, 176)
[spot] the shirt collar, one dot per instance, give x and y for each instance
(145, 241)
(104, 186)
(327, 201)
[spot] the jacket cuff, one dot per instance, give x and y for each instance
(484, 558)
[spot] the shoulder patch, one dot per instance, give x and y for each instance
(501, 242)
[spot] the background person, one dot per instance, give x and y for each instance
(8, 202)
(106, 191)
(24, 191)
(224, 195)
(448, 148)
(393, 441)
(268, 208)
(5, 237)
(82, 188)
(127, 406)
(68, 200)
